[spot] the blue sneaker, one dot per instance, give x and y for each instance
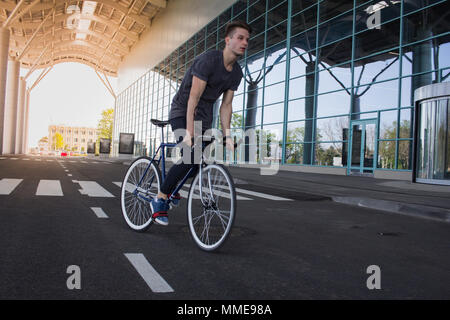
(175, 200)
(159, 211)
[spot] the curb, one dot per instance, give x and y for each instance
(415, 210)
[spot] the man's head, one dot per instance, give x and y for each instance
(237, 34)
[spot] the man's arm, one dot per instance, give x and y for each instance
(197, 89)
(226, 110)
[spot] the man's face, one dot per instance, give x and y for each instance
(238, 42)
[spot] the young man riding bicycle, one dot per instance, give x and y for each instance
(212, 74)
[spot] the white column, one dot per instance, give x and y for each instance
(4, 48)
(26, 121)
(12, 94)
(20, 127)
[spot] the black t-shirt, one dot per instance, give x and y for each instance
(209, 67)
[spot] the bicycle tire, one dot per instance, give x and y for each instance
(210, 215)
(140, 219)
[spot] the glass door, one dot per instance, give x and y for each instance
(433, 143)
(362, 146)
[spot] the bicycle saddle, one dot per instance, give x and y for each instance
(159, 123)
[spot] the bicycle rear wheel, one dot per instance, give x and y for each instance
(210, 221)
(141, 183)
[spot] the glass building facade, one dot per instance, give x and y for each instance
(330, 82)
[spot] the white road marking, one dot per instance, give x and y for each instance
(99, 212)
(223, 194)
(26, 159)
(69, 175)
(8, 185)
(148, 273)
(259, 194)
(49, 188)
(93, 189)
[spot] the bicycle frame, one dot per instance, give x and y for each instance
(162, 147)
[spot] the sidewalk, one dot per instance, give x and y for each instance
(397, 196)
(403, 197)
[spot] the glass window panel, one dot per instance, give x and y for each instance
(296, 110)
(375, 13)
(378, 68)
(405, 123)
(331, 104)
(275, 3)
(238, 102)
(211, 41)
(255, 64)
(237, 120)
(406, 96)
(331, 129)
(274, 93)
(404, 151)
(277, 73)
(419, 58)
(299, 63)
(257, 9)
(225, 17)
(274, 132)
(424, 23)
(375, 40)
(297, 88)
(238, 7)
(295, 132)
(304, 42)
(328, 154)
(330, 8)
(378, 96)
(386, 154)
(388, 125)
(277, 15)
(334, 79)
(294, 153)
(336, 29)
(277, 36)
(254, 113)
(274, 113)
(303, 19)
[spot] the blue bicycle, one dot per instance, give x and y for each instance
(211, 200)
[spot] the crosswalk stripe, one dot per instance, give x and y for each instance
(8, 185)
(99, 212)
(93, 189)
(148, 273)
(49, 188)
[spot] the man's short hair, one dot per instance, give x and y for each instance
(233, 25)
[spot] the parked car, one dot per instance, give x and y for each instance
(63, 154)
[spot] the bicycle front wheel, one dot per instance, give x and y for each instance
(211, 208)
(141, 183)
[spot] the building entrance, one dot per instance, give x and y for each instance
(362, 147)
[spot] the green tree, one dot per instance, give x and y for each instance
(386, 149)
(58, 141)
(105, 124)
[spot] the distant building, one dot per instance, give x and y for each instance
(74, 138)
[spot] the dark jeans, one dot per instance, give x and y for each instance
(178, 171)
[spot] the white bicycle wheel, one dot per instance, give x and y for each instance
(141, 183)
(210, 221)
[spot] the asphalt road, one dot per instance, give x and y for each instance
(305, 248)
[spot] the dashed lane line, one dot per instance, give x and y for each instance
(151, 277)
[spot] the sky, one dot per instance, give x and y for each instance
(71, 94)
